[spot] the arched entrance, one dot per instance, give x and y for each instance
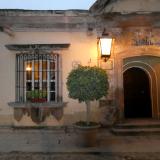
(137, 99)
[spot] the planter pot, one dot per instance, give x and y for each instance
(38, 100)
(86, 136)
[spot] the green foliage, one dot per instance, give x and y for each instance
(36, 94)
(87, 83)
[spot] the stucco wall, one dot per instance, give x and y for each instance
(129, 6)
(83, 49)
(130, 50)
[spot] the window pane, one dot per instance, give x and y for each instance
(28, 66)
(44, 75)
(29, 75)
(44, 86)
(44, 94)
(44, 65)
(29, 70)
(52, 75)
(36, 85)
(52, 96)
(28, 96)
(29, 86)
(36, 66)
(52, 65)
(52, 86)
(36, 75)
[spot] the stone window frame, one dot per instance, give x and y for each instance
(39, 111)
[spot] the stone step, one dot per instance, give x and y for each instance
(127, 126)
(135, 131)
(137, 127)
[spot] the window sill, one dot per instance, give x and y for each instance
(37, 105)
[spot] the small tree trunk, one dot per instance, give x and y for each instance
(88, 112)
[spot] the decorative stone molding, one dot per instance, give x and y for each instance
(38, 111)
(29, 47)
(7, 30)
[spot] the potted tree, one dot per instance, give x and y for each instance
(87, 84)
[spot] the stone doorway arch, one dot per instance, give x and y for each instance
(151, 66)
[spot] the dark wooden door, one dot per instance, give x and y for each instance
(137, 101)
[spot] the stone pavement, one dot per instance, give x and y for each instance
(60, 144)
(77, 156)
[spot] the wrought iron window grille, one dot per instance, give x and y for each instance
(37, 76)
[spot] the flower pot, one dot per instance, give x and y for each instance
(86, 136)
(38, 100)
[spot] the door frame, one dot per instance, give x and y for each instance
(147, 75)
(152, 80)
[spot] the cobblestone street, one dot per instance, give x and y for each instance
(79, 156)
(41, 144)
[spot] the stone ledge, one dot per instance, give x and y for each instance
(28, 47)
(37, 105)
(24, 12)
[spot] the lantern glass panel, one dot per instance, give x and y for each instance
(105, 45)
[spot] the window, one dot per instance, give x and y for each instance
(37, 73)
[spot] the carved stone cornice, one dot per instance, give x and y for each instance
(30, 47)
(51, 20)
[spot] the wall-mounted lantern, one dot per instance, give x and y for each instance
(105, 46)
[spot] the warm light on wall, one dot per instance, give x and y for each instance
(105, 45)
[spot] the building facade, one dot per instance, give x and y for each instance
(134, 25)
(39, 48)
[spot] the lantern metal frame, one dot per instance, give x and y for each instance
(105, 46)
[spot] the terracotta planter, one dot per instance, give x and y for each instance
(86, 136)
